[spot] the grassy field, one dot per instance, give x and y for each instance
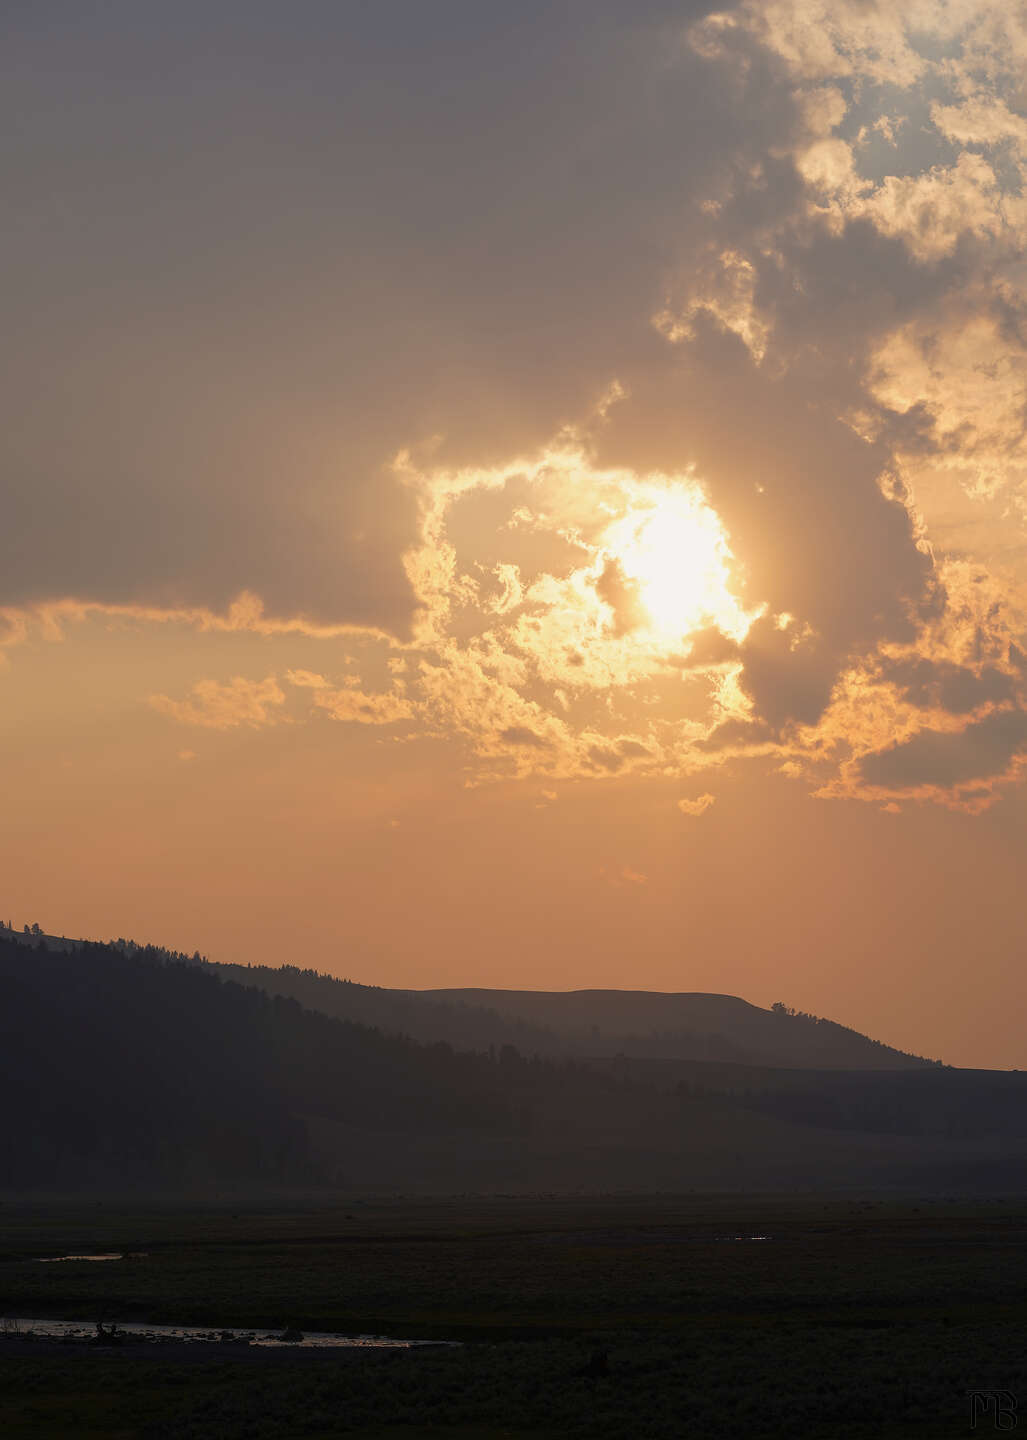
(582, 1317)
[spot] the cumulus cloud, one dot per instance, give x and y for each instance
(521, 735)
(959, 689)
(934, 760)
(698, 806)
(350, 702)
(307, 680)
(218, 706)
(362, 708)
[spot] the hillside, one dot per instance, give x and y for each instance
(693, 1025)
(586, 1023)
(645, 1024)
(132, 1069)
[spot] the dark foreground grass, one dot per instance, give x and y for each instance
(855, 1319)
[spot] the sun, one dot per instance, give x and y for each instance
(672, 545)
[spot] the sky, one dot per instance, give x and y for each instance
(524, 496)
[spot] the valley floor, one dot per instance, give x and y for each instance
(608, 1316)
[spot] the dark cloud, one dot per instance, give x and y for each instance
(252, 255)
(737, 735)
(832, 293)
(940, 683)
(787, 678)
(711, 647)
(622, 595)
(604, 757)
(521, 735)
(983, 750)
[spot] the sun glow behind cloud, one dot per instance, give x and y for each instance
(561, 605)
(672, 545)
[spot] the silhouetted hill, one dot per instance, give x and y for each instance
(642, 1023)
(399, 1012)
(689, 1025)
(124, 1067)
(128, 1065)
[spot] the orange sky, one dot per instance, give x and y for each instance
(522, 503)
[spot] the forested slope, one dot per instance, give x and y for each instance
(132, 1068)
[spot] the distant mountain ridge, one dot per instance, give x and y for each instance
(667, 1023)
(642, 1024)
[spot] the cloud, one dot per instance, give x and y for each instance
(622, 595)
(307, 680)
(350, 703)
(363, 708)
(958, 689)
(711, 647)
(521, 735)
(468, 399)
(825, 39)
(942, 760)
(219, 350)
(698, 806)
(216, 706)
(54, 620)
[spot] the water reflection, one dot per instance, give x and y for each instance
(78, 1331)
(55, 1259)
